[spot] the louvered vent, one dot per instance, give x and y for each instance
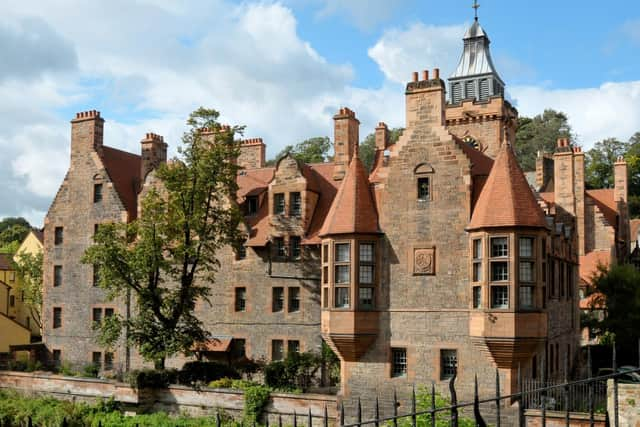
(456, 93)
(484, 89)
(469, 89)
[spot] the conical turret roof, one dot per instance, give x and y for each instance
(506, 199)
(353, 209)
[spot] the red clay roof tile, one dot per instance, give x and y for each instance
(124, 170)
(506, 198)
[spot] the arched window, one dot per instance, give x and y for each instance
(424, 181)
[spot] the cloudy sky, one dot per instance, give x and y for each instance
(283, 68)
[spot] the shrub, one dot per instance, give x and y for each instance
(152, 378)
(256, 397)
(221, 383)
(90, 371)
(205, 372)
(294, 372)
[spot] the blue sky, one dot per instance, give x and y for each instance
(283, 68)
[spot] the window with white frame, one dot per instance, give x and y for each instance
(342, 275)
(499, 297)
(477, 260)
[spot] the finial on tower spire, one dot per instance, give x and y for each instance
(475, 9)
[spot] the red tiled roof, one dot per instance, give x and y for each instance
(255, 182)
(604, 200)
(481, 164)
(39, 234)
(124, 171)
(595, 301)
(219, 344)
(5, 262)
(589, 264)
(328, 188)
(353, 209)
(548, 196)
(506, 198)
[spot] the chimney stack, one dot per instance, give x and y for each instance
(382, 136)
(425, 103)
(86, 133)
(153, 153)
(620, 178)
(346, 139)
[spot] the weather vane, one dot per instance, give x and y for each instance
(475, 8)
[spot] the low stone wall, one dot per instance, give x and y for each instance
(173, 399)
(628, 404)
(533, 418)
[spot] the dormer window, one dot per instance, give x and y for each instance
(278, 204)
(295, 203)
(252, 205)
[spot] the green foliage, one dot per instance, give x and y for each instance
(294, 372)
(367, 148)
(539, 133)
(599, 162)
(29, 269)
(204, 372)
(90, 370)
(12, 233)
(256, 397)
(157, 258)
(152, 378)
(312, 150)
(616, 290)
(16, 409)
(443, 418)
(221, 383)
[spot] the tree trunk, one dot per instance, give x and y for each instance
(159, 364)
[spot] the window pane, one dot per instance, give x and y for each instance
(499, 297)
(58, 237)
(499, 271)
(252, 205)
(527, 271)
(57, 317)
(241, 299)
(97, 315)
(448, 363)
(96, 358)
(278, 203)
(108, 361)
(108, 312)
(342, 252)
(477, 271)
(399, 362)
(365, 298)
(477, 297)
(325, 274)
(325, 253)
(342, 298)
(423, 189)
(293, 346)
(277, 350)
(97, 193)
(499, 247)
(57, 275)
(366, 252)
(296, 204)
(325, 297)
(477, 248)
(366, 274)
(281, 251)
(526, 296)
(342, 274)
(295, 246)
(277, 303)
(294, 299)
(526, 247)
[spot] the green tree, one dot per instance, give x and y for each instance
(616, 291)
(539, 133)
(12, 233)
(29, 269)
(367, 149)
(599, 162)
(312, 150)
(168, 258)
(633, 163)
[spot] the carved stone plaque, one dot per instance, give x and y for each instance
(424, 261)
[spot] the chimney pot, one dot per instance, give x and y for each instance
(425, 74)
(415, 76)
(436, 73)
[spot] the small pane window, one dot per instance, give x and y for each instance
(325, 253)
(281, 250)
(342, 298)
(527, 271)
(499, 297)
(97, 193)
(97, 315)
(499, 247)
(57, 317)
(294, 241)
(96, 359)
(57, 358)
(252, 205)
(325, 274)
(526, 247)
(342, 274)
(241, 299)
(58, 236)
(477, 271)
(294, 299)
(57, 275)
(398, 362)
(238, 348)
(366, 252)
(477, 297)
(367, 260)
(12, 300)
(293, 346)
(365, 298)
(342, 252)
(278, 204)
(366, 274)
(499, 271)
(448, 363)
(423, 189)
(108, 312)
(277, 349)
(241, 252)
(277, 302)
(295, 202)
(526, 296)
(108, 361)
(477, 248)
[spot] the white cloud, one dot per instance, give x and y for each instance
(364, 14)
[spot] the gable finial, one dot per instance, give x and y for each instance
(475, 9)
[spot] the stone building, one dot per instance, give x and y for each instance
(443, 259)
